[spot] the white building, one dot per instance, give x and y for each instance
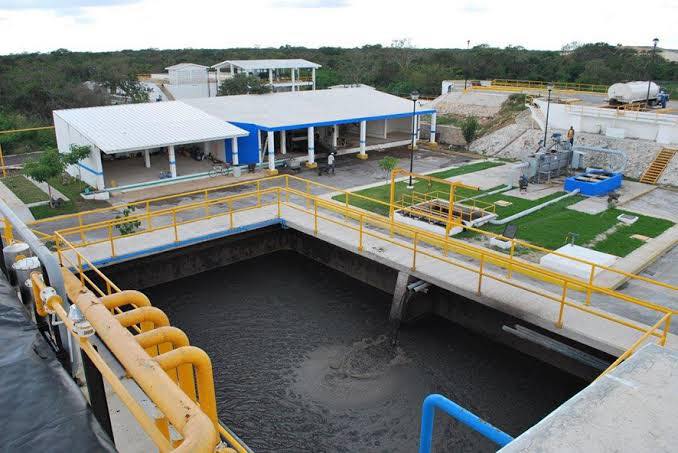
(139, 145)
(281, 74)
(133, 144)
(187, 74)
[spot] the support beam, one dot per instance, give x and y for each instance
(283, 142)
(363, 140)
(413, 132)
(293, 80)
(271, 154)
(433, 127)
(313, 77)
(172, 161)
(311, 148)
(261, 157)
(270, 77)
(335, 135)
(147, 158)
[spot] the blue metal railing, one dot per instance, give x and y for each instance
(474, 422)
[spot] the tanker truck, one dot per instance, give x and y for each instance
(636, 92)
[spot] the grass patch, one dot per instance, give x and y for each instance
(551, 226)
(25, 190)
(449, 119)
(383, 192)
(76, 203)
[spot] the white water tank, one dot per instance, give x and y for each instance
(632, 92)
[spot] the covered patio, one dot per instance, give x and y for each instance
(143, 144)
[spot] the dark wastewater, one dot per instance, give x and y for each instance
(301, 362)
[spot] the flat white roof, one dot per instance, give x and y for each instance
(251, 65)
(185, 65)
(131, 127)
(295, 110)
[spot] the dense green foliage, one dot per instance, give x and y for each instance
(469, 129)
(243, 84)
(32, 85)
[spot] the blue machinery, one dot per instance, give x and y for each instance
(474, 422)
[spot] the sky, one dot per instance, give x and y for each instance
(98, 25)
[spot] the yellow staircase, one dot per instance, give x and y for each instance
(658, 165)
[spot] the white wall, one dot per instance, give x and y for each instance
(90, 169)
(188, 75)
(400, 125)
(661, 128)
(376, 129)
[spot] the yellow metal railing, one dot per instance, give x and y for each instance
(558, 86)
(287, 191)
(188, 368)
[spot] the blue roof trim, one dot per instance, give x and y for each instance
(91, 170)
(345, 121)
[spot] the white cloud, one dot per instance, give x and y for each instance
(128, 24)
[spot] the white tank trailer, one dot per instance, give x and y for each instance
(630, 92)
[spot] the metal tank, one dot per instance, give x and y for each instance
(10, 253)
(625, 93)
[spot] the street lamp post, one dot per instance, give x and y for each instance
(414, 96)
(649, 71)
(468, 43)
(548, 107)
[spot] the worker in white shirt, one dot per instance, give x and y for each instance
(330, 163)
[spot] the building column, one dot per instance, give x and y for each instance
(271, 151)
(418, 124)
(147, 158)
(234, 151)
(261, 157)
(433, 127)
(293, 79)
(270, 77)
(311, 148)
(335, 136)
(232, 71)
(283, 142)
(363, 140)
(313, 77)
(172, 161)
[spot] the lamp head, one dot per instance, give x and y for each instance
(655, 41)
(549, 87)
(414, 95)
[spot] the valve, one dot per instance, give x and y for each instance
(45, 294)
(81, 326)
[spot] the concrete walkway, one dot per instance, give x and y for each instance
(634, 408)
(639, 259)
(457, 277)
(15, 204)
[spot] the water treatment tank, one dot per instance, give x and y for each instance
(624, 93)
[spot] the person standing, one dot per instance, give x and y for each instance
(570, 135)
(330, 163)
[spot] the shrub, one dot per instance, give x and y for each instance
(469, 129)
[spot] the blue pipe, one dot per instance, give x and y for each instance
(474, 422)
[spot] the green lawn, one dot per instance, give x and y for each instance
(25, 190)
(383, 192)
(75, 204)
(547, 228)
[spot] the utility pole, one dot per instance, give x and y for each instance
(649, 70)
(468, 43)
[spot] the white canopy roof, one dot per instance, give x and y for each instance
(131, 127)
(251, 65)
(299, 109)
(185, 66)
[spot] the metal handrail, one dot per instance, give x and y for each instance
(176, 357)
(436, 401)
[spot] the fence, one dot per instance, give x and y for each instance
(285, 195)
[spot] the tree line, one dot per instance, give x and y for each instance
(34, 84)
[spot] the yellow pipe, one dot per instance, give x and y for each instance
(194, 425)
(203, 370)
(126, 297)
(177, 339)
(140, 315)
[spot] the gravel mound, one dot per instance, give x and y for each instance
(474, 103)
